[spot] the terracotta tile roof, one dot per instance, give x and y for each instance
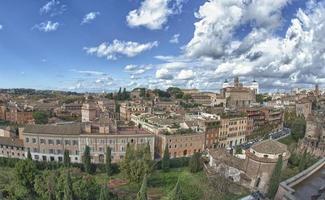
(11, 142)
(65, 129)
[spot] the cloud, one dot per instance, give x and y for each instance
(1, 27)
(48, 26)
(185, 74)
(174, 39)
(89, 17)
(137, 69)
(53, 8)
(89, 72)
(220, 19)
(153, 14)
(118, 48)
(164, 73)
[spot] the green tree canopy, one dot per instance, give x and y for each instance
(108, 163)
(195, 164)
(142, 194)
(275, 178)
(165, 163)
(87, 160)
(41, 117)
(176, 193)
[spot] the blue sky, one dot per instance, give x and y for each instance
(96, 45)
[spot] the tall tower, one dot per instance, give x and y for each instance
(316, 90)
(88, 112)
(236, 82)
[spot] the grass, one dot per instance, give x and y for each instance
(288, 140)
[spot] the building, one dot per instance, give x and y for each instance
(89, 112)
(18, 115)
(314, 140)
(48, 142)
(308, 184)
(260, 161)
(239, 96)
(127, 109)
(11, 147)
(180, 144)
(304, 107)
(255, 169)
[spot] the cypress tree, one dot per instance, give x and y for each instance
(142, 194)
(303, 161)
(66, 158)
(165, 164)
(147, 153)
(87, 160)
(104, 193)
(68, 192)
(176, 193)
(195, 164)
(29, 155)
(275, 178)
(109, 170)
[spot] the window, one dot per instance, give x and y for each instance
(50, 141)
(75, 142)
(58, 142)
(27, 140)
(36, 157)
(34, 140)
(67, 142)
(42, 141)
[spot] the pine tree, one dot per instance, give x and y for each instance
(176, 193)
(109, 170)
(165, 163)
(68, 192)
(66, 158)
(142, 194)
(29, 155)
(275, 178)
(303, 161)
(195, 164)
(104, 193)
(87, 160)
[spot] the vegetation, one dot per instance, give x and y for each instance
(165, 164)
(41, 117)
(296, 124)
(66, 158)
(195, 164)
(275, 178)
(86, 159)
(137, 163)
(142, 194)
(176, 193)
(261, 98)
(108, 163)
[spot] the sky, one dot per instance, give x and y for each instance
(101, 45)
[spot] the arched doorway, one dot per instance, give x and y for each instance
(185, 152)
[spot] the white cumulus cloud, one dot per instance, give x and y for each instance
(153, 14)
(174, 39)
(117, 48)
(185, 74)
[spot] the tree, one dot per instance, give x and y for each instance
(87, 160)
(26, 173)
(108, 165)
(66, 158)
(195, 163)
(275, 178)
(303, 161)
(68, 190)
(29, 155)
(176, 193)
(104, 193)
(142, 194)
(165, 163)
(45, 185)
(147, 153)
(41, 117)
(135, 164)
